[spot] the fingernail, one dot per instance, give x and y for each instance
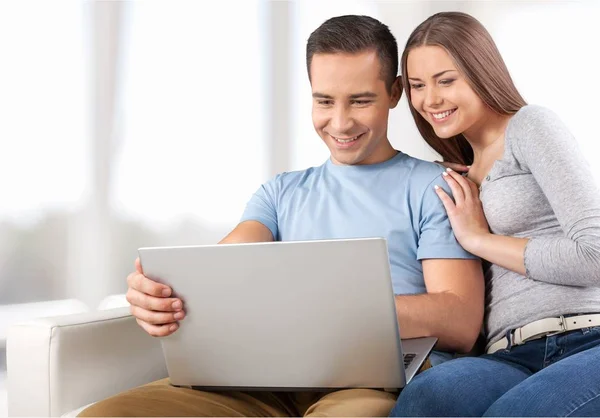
(176, 305)
(444, 174)
(173, 327)
(448, 169)
(178, 315)
(469, 166)
(436, 187)
(166, 292)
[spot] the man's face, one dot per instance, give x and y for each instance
(351, 107)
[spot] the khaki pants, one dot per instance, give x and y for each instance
(161, 399)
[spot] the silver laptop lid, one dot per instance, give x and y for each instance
(286, 315)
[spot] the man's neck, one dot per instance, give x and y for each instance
(382, 155)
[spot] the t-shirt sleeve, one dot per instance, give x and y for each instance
(262, 206)
(545, 147)
(436, 239)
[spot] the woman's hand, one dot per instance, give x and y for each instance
(465, 212)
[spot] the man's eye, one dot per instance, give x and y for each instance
(362, 102)
(324, 102)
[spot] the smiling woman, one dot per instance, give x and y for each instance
(448, 86)
(535, 218)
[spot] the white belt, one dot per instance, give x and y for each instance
(546, 327)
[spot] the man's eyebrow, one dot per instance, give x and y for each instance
(321, 96)
(434, 76)
(364, 94)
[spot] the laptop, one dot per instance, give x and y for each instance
(296, 315)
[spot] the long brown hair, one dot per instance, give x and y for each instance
(476, 56)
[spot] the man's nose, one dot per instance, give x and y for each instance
(341, 120)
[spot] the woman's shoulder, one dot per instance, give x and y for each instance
(533, 122)
(535, 130)
(533, 116)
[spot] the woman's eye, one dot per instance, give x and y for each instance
(447, 81)
(416, 86)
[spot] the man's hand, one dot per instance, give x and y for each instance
(151, 304)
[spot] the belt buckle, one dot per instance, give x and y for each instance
(562, 325)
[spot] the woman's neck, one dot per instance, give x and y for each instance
(485, 135)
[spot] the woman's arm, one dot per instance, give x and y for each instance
(545, 147)
(471, 228)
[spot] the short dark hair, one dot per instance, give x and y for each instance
(354, 34)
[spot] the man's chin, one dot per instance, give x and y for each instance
(347, 159)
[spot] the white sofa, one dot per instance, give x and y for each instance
(56, 366)
(10, 314)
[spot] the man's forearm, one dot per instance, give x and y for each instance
(442, 315)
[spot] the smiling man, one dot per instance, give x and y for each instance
(365, 189)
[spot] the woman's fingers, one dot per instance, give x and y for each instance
(446, 200)
(457, 190)
(469, 189)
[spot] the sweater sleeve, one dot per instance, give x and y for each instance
(545, 146)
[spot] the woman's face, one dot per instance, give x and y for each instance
(442, 95)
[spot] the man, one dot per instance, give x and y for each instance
(366, 188)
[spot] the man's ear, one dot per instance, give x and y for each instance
(396, 92)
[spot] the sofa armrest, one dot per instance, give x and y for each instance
(56, 365)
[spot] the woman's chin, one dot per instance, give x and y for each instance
(446, 133)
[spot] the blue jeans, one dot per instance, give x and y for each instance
(552, 376)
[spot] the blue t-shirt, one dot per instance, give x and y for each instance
(394, 199)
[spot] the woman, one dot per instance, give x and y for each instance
(541, 236)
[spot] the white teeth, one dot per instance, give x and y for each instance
(345, 141)
(443, 114)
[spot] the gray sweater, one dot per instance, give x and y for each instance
(542, 189)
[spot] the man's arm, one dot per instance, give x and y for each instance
(452, 308)
(248, 231)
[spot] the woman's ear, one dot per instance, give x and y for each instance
(396, 92)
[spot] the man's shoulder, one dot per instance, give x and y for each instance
(422, 172)
(296, 178)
